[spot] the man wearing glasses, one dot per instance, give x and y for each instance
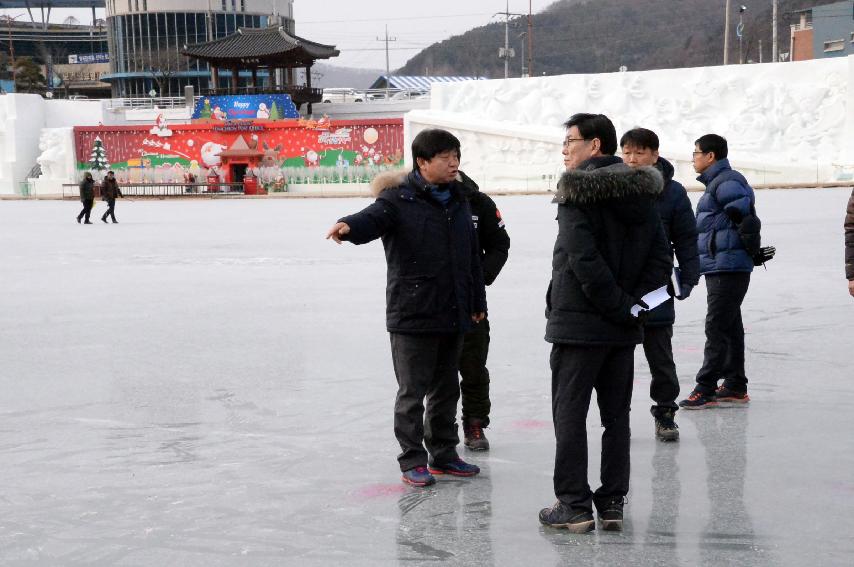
(726, 264)
(610, 251)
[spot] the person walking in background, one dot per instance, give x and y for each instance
(474, 384)
(727, 265)
(87, 197)
(610, 251)
(849, 244)
(109, 191)
(434, 293)
(640, 149)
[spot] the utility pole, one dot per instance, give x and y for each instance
(774, 56)
(530, 41)
(387, 70)
(726, 32)
(507, 52)
(522, 44)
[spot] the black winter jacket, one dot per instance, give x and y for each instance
(491, 233)
(849, 239)
(680, 229)
(110, 189)
(434, 281)
(87, 190)
(610, 251)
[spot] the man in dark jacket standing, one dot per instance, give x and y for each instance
(727, 265)
(109, 191)
(87, 197)
(849, 244)
(640, 149)
(474, 384)
(434, 294)
(610, 251)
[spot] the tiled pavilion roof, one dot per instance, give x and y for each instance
(260, 47)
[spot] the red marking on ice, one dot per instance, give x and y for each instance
(380, 490)
(531, 424)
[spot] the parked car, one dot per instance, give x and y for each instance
(342, 95)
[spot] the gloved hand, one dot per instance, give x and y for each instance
(765, 254)
(639, 309)
(686, 291)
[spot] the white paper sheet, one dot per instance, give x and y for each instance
(653, 299)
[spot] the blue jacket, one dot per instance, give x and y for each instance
(727, 195)
(680, 228)
(434, 280)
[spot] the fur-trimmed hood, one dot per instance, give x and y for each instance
(397, 177)
(388, 180)
(610, 182)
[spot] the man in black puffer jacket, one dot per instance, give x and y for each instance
(640, 149)
(849, 244)
(434, 293)
(610, 251)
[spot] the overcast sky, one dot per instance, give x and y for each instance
(354, 26)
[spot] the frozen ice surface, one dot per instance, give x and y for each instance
(209, 383)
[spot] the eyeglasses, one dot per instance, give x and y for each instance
(568, 141)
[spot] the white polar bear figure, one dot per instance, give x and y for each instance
(57, 154)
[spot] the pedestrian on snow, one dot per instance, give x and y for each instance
(640, 149)
(727, 204)
(434, 293)
(87, 197)
(849, 244)
(610, 251)
(474, 384)
(109, 191)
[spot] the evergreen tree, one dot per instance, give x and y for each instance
(205, 112)
(98, 157)
(274, 112)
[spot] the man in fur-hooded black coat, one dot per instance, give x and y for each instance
(434, 293)
(610, 251)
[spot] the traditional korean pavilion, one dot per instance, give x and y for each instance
(272, 49)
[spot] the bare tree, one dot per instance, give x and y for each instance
(165, 64)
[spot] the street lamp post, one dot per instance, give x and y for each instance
(739, 31)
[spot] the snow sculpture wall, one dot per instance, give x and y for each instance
(22, 118)
(785, 122)
(56, 160)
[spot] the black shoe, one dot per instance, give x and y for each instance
(665, 428)
(78, 220)
(475, 439)
(104, 220)
(699, 400)
(86, 222)
(562, 516)
(115, 222)
(611, 514)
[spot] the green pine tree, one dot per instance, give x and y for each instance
(274, 112)
(98, 157)
(206, 109)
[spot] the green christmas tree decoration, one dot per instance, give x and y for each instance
(98, 157)
(206, 109)
(274, 112)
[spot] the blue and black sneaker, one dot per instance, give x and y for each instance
(419, 476)
(457, 467)
(731, 398)
(699, 400)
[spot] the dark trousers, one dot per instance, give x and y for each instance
(426, 366)
(576, 371)
(111, 210)
(723, 357)
(474, 383)
(87, 209)
(664, 387)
